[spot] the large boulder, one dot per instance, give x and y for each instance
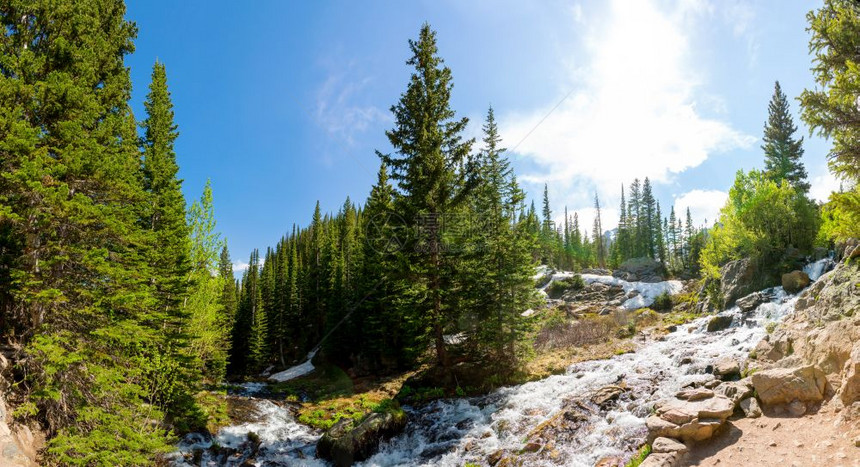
(736, 391)
(727, 368)
(785, 385)
(689, 420)
(665, 452)
(738, 279)
(640, 270)
(795, 281)
(346, 443)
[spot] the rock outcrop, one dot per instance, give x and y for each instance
(737, 279)
(786, 385)
(690, 420)
(346, 443)
(640, 270)
(823, 331)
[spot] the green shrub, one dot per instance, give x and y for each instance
(557, 288)
(663, 302)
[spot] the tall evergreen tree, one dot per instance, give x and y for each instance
(81, 305)
(597, 232)
(228, 294)
(429, 152)
(782, 152)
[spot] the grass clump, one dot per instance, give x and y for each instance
(640, 456)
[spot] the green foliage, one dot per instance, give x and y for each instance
(639, 457)
(557, 288)
(761, 220)
(782, 153)
(831, 108)
(663, 302)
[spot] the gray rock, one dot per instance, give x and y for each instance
(727, 368)
(752, 301)
(718, 323)
(662, 445)
(750, 407)
(737, 279)
(797, 408)
(640, 270)
(785, 385)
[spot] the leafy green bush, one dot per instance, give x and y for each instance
(760, 220)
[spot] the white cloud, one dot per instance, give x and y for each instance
(337, 110)
(822, 185)
(704, 206)
(240, 266)
(635, 110)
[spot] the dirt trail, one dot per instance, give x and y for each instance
(813, 440)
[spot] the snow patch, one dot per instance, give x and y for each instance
(296, 371)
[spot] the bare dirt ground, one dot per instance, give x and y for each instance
(812, 440)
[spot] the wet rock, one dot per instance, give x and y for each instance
(750, 407)
(737, 279)
(795, 281)
(784, 385)
(495, 457)
(603, 397)
(532, 447)
(346, 443)
(752, 301)
(718, 323)
(727, 368)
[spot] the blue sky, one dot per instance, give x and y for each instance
(282, 104)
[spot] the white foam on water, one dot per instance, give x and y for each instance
(452, 432)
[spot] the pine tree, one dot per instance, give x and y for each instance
(598, 242)
(228, 294)
(429, 150)
(71, 203)
(647, 217)
(782, 153)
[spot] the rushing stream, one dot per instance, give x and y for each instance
(452, 432)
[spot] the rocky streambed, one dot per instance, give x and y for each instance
(597, 413)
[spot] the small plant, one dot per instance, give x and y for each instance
(459, 392)
(770, 327)
(640, 456)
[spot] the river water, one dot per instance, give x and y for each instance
(452, 432)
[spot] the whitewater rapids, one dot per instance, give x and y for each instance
(452, 432)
